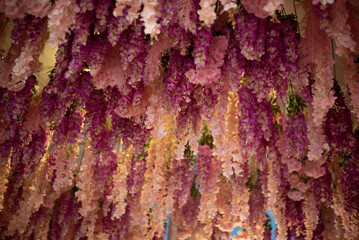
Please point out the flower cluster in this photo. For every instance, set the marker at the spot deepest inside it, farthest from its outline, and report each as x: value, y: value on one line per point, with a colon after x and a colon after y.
x: 207, y: 111
x: 61, y: 17
x: 211, y: 71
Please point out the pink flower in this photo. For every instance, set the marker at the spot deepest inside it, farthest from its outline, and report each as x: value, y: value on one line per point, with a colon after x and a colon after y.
x: 294, y: 165
x: 228, y: 4
x: 218, y: 56
x: 61, y: 18
x: 38, y: 8
x: 149, y: 17
x: 210, y: 72
x: 323, y: 2
x: 313, y: 169
x: 295, y: 195
x: 200, y: 78
x: 12, y: 9
x: 256, y: 7
x: 132, y: 13
x: 293, y: 179
x: 207, y: 13
x: 120, y: 5
x: 272, y: 6
x: 301, y: 186
x: 212, y: 69
x: 190, y: 75
x: 32, y: 117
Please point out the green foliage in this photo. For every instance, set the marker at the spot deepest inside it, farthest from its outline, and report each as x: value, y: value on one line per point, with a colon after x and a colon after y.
x: 195, y: 189
x: 165, y: 61
x: 274, y: 105
x: 165, y: 224
x: 85, y: 68
x: 268, y: 225
x: 276, y: 110
x: 251, y: 184
x: 279, y: 127
x: 51, y: 77
x: 52, y: 125
x: 189, y: 154
x: 343, y: 161
x: 295, y: 104
x: 72, y: 106
x: 108, y: 123
x: 73, y: 191
x: 34, y: 90
x: 305, y: 180
x: 243, y: 81
x: 142, y: 156
x: 206, y: 138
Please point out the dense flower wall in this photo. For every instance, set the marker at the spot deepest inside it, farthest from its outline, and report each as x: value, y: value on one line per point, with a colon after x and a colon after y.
x: 212, y: 111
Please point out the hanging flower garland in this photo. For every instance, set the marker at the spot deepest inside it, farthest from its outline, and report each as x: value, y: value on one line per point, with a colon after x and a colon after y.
x: 210, y: 111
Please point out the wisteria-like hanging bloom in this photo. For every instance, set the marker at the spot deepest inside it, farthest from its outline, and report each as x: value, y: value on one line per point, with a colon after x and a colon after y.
x: 207, y: 13
x: 206, y: 111
x: 61, y: 17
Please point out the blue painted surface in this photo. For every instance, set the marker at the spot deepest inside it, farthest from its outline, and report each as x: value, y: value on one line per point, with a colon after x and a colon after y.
x: 274, y: 225
x: 167, y: 226
x: 237, y: 228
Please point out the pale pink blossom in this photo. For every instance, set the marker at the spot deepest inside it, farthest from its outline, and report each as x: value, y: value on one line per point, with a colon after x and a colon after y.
x: 31, y: 200
x: 351, y: 79
x: 38, y: 8
x: 211, y: 72
x: 185, y: 10
x: 111, y: 72
x: 22, y: 67
x: 88, y: 194
x: 323, y: 2
x: 133, y: 11
x: 293, y: 179
x: 138, y: 109
x: 256, y: 7
x: 66, y: 166
x: 228, y: 4
x: 207, y: 12
x: 295, y: 195
x: 275, y: 195
x: 155, y: 113
x: 323, y: 95
x: 340, y: 29
x: 61, y: 18
x: 301, y: 186
x: 311, y: 213
x: 149, y: 16
x: 18, y: 8
x: 294, y: 165
x: 12, y: 9
x: 191, y: 74
x: 316, y: 139
x: 119, y: 191
x: 272, y: 6
x: 32, y: 117
x: 27, y: 62
x: 313, y: 169
x: 153, y: 68
x: 316, y: 49
x: 120, y: 6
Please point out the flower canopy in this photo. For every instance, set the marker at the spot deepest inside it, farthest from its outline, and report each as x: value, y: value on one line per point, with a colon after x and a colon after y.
x: 211, y: 111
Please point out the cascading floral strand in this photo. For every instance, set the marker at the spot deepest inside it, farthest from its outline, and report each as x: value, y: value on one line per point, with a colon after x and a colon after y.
x: 209, y: 112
